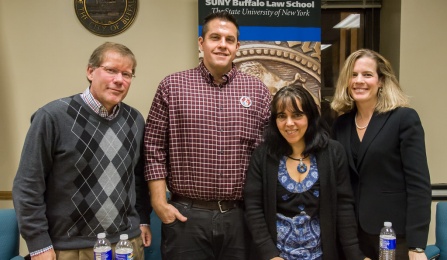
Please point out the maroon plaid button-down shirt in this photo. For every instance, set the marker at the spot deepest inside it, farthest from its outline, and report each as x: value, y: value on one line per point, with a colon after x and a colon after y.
x: 201, y: 135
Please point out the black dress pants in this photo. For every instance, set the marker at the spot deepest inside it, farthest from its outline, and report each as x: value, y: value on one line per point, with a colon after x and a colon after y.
x: 206, y: 235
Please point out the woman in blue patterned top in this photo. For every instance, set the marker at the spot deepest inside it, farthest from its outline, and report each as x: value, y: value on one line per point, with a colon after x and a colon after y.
x: 297, y: 194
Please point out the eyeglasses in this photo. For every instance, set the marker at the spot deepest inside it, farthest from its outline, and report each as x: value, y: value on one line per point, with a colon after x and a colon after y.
x: 113, y: 72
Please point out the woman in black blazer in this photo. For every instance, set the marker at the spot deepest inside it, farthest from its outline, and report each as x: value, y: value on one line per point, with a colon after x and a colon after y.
x: 298, y: 198
x: 384, y: 143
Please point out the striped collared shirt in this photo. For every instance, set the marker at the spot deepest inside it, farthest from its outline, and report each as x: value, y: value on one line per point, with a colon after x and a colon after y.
x: 200, y: 135
x: 98, y: 107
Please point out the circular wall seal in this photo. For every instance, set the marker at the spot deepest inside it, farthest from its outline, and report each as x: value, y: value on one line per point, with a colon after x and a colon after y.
x: 106, y: 17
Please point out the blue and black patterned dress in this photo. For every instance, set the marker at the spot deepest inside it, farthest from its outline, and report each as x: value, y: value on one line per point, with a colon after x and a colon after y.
x: 297, y: 222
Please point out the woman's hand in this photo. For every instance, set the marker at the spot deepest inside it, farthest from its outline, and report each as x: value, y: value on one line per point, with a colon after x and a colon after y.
x: 416, y: 256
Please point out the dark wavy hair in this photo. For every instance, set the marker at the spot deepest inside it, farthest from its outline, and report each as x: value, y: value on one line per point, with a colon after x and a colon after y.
x: 317, y: 133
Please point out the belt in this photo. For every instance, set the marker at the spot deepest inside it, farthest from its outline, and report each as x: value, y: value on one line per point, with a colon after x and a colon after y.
x: 221, y: 205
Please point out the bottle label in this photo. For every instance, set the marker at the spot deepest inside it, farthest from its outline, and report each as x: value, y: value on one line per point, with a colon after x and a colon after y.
x: 387, y: 242
x: 103, y: 255
x: 128, y: 256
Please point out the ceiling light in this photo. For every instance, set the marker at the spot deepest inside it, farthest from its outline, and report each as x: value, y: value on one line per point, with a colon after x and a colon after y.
x: 352, y: 21
x: 325, y: 46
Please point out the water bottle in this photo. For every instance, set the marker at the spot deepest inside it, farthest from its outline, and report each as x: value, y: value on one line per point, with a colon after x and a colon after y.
x: 124, y: 249
x: 102, y: 249
x: 387, y: 242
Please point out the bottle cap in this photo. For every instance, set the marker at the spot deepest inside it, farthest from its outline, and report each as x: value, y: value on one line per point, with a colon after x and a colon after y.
x: 387, y: 224
x: 101, y: 235
x: 124, y: 236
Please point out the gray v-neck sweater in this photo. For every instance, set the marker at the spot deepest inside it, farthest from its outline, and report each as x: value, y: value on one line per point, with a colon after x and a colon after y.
x: 76, y: 176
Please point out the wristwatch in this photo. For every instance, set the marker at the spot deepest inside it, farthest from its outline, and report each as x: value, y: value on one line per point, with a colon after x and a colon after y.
x: 416, y: 249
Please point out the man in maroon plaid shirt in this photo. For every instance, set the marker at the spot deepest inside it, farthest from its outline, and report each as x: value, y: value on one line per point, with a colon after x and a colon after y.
x: 201, y: 130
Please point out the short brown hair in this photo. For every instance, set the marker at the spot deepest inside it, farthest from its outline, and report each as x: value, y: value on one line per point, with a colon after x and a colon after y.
x: 223, y: 16
x: 98, y: 55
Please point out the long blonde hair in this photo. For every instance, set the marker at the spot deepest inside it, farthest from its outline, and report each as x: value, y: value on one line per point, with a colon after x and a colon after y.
x: 390, y: 94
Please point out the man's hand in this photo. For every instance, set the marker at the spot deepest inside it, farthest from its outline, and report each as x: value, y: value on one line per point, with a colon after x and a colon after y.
x: 146, y: 235
x: 416, y: 256
x: 168, y: 213
x: 165, y: 211
x: 47, y: 255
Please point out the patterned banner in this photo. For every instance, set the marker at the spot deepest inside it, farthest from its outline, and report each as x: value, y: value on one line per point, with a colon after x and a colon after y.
x: 280, y: 40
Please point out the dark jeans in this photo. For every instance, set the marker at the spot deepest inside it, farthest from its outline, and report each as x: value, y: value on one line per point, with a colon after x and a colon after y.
x: 206, y: 235
x: 369, y: 244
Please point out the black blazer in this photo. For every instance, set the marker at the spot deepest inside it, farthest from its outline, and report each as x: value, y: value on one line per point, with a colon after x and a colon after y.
x: 337, y: 219
x: 391, y: 180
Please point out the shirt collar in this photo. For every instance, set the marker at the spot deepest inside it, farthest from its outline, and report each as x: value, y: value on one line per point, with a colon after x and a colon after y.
x: 97, y: 107
x: 227, y: 77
